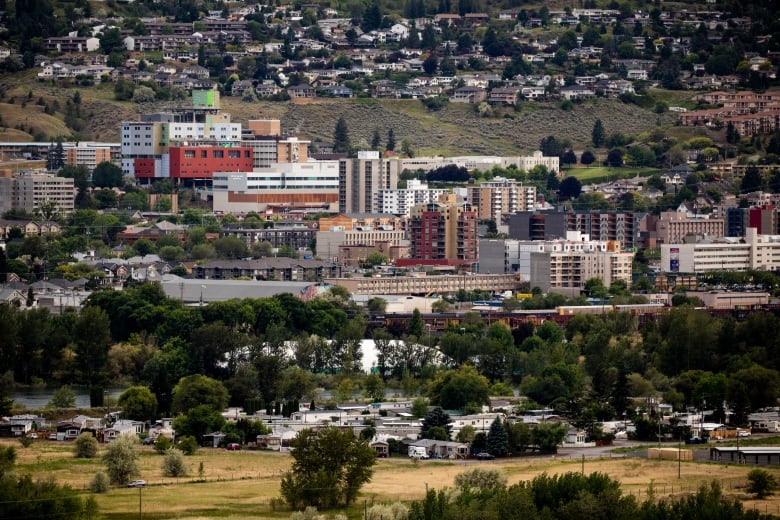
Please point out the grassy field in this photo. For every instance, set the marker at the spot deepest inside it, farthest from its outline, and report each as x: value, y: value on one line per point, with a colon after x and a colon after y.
x: 243, y: 485
x: 595, y: 174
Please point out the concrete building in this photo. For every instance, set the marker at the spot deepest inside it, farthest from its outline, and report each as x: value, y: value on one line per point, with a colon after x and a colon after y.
x: 621, y: 226
x: 346, y: 239
x: 565, y: 265
x: 499, y: 196
x: 88, y: 155
x: 674, y: 226
x: 441, y: 284
x: 313, y: 185
x: 759, y: 252
x: 483, y: 162
x: 443, y: 232
x: 28, y: 191
x: 360, y: 180
x: 184, y: 144
x: 269, y: 146
x: 400, y: 201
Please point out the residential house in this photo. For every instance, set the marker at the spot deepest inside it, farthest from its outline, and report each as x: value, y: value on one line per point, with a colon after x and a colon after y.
x: 473, y: 95
x: 122, y: 427
x: 504, y: 95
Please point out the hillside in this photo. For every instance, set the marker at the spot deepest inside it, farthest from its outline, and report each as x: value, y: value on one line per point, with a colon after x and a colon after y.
x: 455, y: 129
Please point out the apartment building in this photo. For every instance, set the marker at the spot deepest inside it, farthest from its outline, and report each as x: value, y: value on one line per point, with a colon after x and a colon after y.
x: 87, y: 155
x: 673, y: 226
x: 483, y: 162
x: 565, y: 266
x: 345, y: 239
x: 28, y: 192
x: 442, y: 284
x: 499, y: 196
x: 401, y: 201
x: 620, y: 226
x: 361, y: 178
x: 443, y: 232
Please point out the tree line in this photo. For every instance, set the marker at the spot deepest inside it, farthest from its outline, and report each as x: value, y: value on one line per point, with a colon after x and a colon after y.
x: 278, y: 349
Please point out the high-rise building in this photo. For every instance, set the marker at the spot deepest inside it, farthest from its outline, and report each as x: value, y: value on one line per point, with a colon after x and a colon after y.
x: 361, y: 178
x: 621, y: 226
x: 499, y: 196
x: 400, y: 201
x: 28, y: 192
x: 443, y: 232
x: 88, y: 155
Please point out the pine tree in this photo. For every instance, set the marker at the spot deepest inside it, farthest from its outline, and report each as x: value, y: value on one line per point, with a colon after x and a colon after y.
x: 341, y: 137
x: 598, y: 134
x: 497, y: 439
x: 390, y: 140
x: 376, y: 140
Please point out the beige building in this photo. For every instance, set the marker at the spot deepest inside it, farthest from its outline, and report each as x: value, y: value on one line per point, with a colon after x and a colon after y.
x: 565, y: 266
x: 443, y: 284
x: 28, y: 191
x: 674, y: 226
x: 360, y: 180
x: 87, y: 155
x: 759, y: 252
x: 500, y: 196
x: 346, y: 239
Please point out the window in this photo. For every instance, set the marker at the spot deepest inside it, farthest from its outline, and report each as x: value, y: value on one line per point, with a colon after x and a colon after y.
x: 204, y: 154
x: 189, y: 154
x: 218, y: 154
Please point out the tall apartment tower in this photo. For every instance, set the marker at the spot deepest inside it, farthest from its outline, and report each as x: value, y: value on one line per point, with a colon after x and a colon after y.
x: 443, y: 233
x: 29, y: 192
x: 361, y: 179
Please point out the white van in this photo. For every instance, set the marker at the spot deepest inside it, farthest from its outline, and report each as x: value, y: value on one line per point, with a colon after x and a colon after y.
x: 419, y: 452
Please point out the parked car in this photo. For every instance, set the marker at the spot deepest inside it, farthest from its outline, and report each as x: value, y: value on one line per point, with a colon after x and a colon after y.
x: 743, y: 433
x: 233, y: 446
x: 32, y: 435
x: 136, y: 483
x: 485, y: 456
x: 148, y: 441
x: 53, y: 436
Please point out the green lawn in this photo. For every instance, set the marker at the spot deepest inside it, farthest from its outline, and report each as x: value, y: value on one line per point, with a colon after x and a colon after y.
x: 604, y: 173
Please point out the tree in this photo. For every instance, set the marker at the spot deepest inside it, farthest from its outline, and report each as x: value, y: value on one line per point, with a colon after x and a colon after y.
x: 547, y: 436
x: 173, y: 463
x: 415, y: 325
x: 329, y: 468
x: 138, y: 403
x: 85, y: 446
x: 436, y: 418
x: 199, y: 390
x: 341, y: 137
x: 107, y: 175
x: 121, y: 459
x: 92, y: 336
x: 497, y: 438
x: 570, y: 188
x: 64, y: 397
x: 615, y: 157
x: 390, y: 140
x: 456, y: 389
x: 198, y: 421
x: 598, y: 134
x: 761, y: 483
x: 752, y: 180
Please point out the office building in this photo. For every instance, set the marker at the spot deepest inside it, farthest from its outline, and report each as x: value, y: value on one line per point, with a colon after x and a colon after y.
x: 401, y: 201
x: 754, y: 251
x: 620, y: 226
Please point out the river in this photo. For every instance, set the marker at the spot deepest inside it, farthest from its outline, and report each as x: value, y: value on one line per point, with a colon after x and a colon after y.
x: 38, y: 397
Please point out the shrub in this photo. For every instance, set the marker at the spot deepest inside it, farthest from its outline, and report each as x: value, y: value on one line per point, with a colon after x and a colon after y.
x: 86, y: 446
x: 25, y: 441
x: 394, y: 511
x: 481, y: 479
x: 121, y: 459
x: 188, y: 445
x: 173, y: 464
x: 761, y: 483
x: 162, y: 444
x: 99, y: 483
